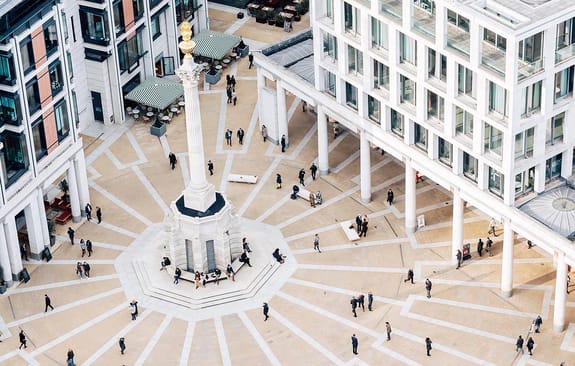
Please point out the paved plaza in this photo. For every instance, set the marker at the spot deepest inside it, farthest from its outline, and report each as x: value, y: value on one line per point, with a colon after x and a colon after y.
x: 311, y: 322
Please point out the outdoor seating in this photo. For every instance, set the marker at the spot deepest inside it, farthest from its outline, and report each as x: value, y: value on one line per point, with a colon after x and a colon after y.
x: 129, y: 110
x: 136, y: 116
x: 146, y: 119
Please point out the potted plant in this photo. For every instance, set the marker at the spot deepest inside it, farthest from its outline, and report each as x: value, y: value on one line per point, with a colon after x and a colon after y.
x: 243, y: 49
x: 261, y: 16
x: 63, y: 185
x: 213, y: 76
x: 158, y: 128
x: 304, y: 7
x: 271, y: 18
x: 279, y: 21
x: 51, y: 232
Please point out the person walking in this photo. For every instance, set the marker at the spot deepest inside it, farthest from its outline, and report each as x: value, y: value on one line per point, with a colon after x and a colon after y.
x: 266, y: 310
x: 278, y: 181
x: 428, y: 346
x: 301, y: 176
x: 88, y: 210
x: 240, y: 135
x: 229, y: 94
x: 428, y: 287
x: 264, y: 132
x: 492, y: 227
x: 177, y: 275
x: 71, y: 233
x: 480, y: 247
x: 353, y: 303
x: 233, y: 83
x: 251, y: 60
x: 228, y: 136
x: 361, y: 302
x: 122, y: 344
x: 87, y: 268
x: 70, y: 358
x: 459, y: 257
x: 390, y: 197
x: 23, y: 341
x: 409, y: 276
x: 211, y: 167
x: 529, y: 244
x: 173, y: 160
x: 519, y: 345
x: 134, y: 309
x: 313, y: 170
x: 79, y: 270
x: 99, y: 214
x: 538, y: 322
x: 530, y: 345
x: 283, y: 143
x: 354, y: 344
x: 89, y: 247
x: 388, y: 330
x: 83, y: 247
x: 488, y: 244
x: 369, y: 300
x: 316, y: 243
x: 363, y: 227
x: 47, y: 303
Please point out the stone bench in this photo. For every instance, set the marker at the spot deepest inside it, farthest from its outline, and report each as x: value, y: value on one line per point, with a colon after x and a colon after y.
x: 240, y: 178
x: 348, y: 229
x: 188, y: 276
x: 303, y: 193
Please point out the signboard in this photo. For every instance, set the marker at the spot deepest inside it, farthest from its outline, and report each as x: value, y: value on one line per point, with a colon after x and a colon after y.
x: 466, y: 251
x: 420, y: 221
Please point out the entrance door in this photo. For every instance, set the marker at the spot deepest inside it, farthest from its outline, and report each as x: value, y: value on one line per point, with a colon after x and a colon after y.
x: 189, y: 256
x: 97, y: 106
x: 211, y: 256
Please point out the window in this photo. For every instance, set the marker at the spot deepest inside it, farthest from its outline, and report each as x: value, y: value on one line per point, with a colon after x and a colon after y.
x: 75, y: 107
x: 168, y: 66
x: 463, y: 122
x: 351, y: 16
x: 185, y: 9
x: 554, y: 131
x: 380, y: 75
x: 497, y: 99
x: 469, y: 167
x: 531, y: 99
x: 436, y: 65
x: 329, y: 46
x: 39, y: 139
x: 373, y: 109
x: 493, y: 139
x: 378, y: 34
x: 407, y: 90
x: 153, y: 3
x: 458, y: 21
x: 530, y: 48
x: 494, y: 39
x: 64, y: 25
x: 56, y: 81
x: 496, y: 182
x: 10, y: 113
x: 7, y: 71
x: 155, y: 25
x: 524, y: 143
x: 33, y: 96
x: 351, y: 95
x: 70, y: 65
x: 553, y: 167
x: 329, y: 83
x: 118, y: 10
x: 50, y: 37
x: 564, y: 83
x: 130, y: 52
x: 329, y: 9
x: 427, y: 5
x: 444, y: 151
x: 565, y: 33
x: 407, y: 49
x: 62, y: 121
x: 138, y: 9
x: 420, y: 136
x: 435, y: 106
x: 396, y: 120
x: 27, y: 55
x: 15, y: 156
x: 465, y: 81
x: 524, y: 181
x: 354, y: 60
x: 94, y: 26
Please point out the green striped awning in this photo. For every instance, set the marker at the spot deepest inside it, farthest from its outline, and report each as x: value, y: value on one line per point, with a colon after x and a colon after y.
x: 214, y: 44
x: 156, y: 92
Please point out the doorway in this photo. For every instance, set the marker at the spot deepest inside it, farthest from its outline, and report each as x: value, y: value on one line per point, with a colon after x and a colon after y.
x: 210, y: 256
x: 189, y: 256
x: 97, y: 106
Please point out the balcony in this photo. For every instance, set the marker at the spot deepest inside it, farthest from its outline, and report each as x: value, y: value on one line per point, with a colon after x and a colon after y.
x: 458, y: 40
x: 564, y: 53
x: 424, y: 22
x: 493, y: 59
x: 528, y: 69
x: 391, y: 8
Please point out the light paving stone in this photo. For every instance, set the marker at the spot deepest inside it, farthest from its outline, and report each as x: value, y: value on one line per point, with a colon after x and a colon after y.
x: 205, y: 348
x: 124, y: 151
x: 168, y: 350
x: 116, y: 214
x: 239, y: 339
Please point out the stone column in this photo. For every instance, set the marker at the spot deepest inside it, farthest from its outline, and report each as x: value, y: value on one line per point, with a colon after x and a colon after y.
x: 560, y: 294
x: 365, y: 168
x: 410, y: 199
x: 507, y: 259
x: 82, y: 178
x: 282, y: 112
x: 5, y: 257
x: 43, y: 219
x: 457, y: 230
x: 73, y: 192
x: 13, y: 246
x: 322, y: 144
x: 33, y: 226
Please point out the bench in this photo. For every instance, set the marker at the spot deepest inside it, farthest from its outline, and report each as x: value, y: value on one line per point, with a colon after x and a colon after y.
x: 240, y: 178
x: 349, y: 230
x: 303, y: 193
x: 63, y: 218
x: 188, y: 276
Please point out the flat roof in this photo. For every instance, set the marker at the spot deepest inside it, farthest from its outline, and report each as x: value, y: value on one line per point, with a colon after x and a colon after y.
x: 295, y: 54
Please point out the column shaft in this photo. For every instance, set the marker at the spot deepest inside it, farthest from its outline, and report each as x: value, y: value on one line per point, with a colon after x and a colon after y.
x: 410, y: 199
x: 73, y: 192
x: 82, y: 178
x: 560, y: 294
x: 43, y: 219
x: 322, y: 144
x: 282, y: 113
x: 5, y: 257
x: 13, y: 246
x: 457, y: 230
x: 34, y: 228
x: 507, y: 259
x: 365, y: 168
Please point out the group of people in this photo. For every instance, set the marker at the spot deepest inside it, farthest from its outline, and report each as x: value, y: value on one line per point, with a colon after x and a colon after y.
x: 86, y: 247
x: 361, y: 224
x: 240, y: 133
x: 231, y: 89
x: 88, y: 211
x: 82, y: 269
x: 359, y: 302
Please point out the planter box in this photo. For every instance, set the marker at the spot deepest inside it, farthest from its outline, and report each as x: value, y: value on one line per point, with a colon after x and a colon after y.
x: 213, y: 78
x: 261, y: 20
x: 158, y: 129
x: 243, y: 52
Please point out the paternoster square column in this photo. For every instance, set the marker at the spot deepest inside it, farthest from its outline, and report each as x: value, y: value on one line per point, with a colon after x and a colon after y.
x: 199, y: 195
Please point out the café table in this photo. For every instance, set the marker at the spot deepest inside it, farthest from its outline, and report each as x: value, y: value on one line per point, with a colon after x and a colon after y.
x: 174, y: 110
x: 182, y: 103
x: 165, y: 118
x: 135, y: 111
x: 150, y: 114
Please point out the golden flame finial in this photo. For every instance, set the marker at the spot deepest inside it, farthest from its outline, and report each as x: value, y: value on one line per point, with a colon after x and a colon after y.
x: 186, y: 45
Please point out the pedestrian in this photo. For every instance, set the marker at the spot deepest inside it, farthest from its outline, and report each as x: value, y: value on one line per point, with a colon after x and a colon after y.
x: 278, y: 256
x: 313, y: 170
x: 283, y: 143
x: 71, y: 235
x: 48, y: 303
x: 529, y: 244
x: 301, y: 176
x: 89, y: 247
x: 83, y: 247
x: 229, y: 94
x: 519, y: 344
x: 177, y: 275
x: 23, y: 251
x: 251, y: 60
x: 358, y: 222
x: 428, y: 288
x: 428, y: 345
x: 388, y: 330
x: 228, y: 135
x: 70, y: 358
x: 22, y: 339
x: 88, y: 210
x: 353, y: 303
x: 133, y: 310
x: 211, y: 167
x: 79, y: 270
x: 312, y: 199
x: 122, y: 345
x: 538, y: 322
x: 233, y: 83
x: 264, y: 132
x: 99, y: 214
x: 363, y: 227
x: 316, y: 243
x: 86, y: 267
x: 240, y: 135
x: 459, y: 257
x: 480, y: 247
x: 228, y: 80
x: 266, y: 310
x: 361, y: 302
x: 230, y: 272
x: 173, y: 160
x: 390, y: 197
x: 303, y: 106
x: 246, y: 245
x: 530, y: 345
x: 369, y: 301
x: 488, y: 244
x: 235, y: 100
x: 492, y: 227
x: 354, y: 344
x: 245, y: 259
x: 409, y: 276
x: 218, y: 274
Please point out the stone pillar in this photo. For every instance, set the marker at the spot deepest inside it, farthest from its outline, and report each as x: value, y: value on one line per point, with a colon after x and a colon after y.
x: 560, y: 294
x: 5, y: 257
x: 13, y: 246
x: 73, y: 191
x: 322, y: 144
x: 82, y: 179
x: 365, y: 167
x: 43, y: 219
x: 282, y: 112
x: 34, y: 228
x: 507, y: 259
x: 457, y: 226
x: 410, y: 199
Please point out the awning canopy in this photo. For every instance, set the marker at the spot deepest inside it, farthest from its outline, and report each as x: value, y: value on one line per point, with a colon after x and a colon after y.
x: 156, y: 92
x: 214, y: 44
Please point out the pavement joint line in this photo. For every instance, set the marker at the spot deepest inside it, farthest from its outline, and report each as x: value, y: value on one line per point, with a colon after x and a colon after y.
x: 378, y: 345
x: 154, y: 340
x: 118, y: 229
x: 568, y: 338
x: 267, y: 351
x: 151, y: 190
x: 121, y: 204
x: 326, y: 267
x: 258, y: 187
x: 356, y: 361
x: 367, y: 244
x: 62, y: 308
x: 9, y: 355
x: 136, y: 146
x: 226, y: 172
x: 335, y: 142
x: 530, y: 361
x: 74, y: 261
x: 79, y: 329
x: 187, y: 347
x: 303, y: 143
x: 221, y: 335
x: 443, y: 225
x: 221, y: 131
x: 114, y: 339
x: 52, y: 285
x: 488, y: 284
x: 307, y: 338
x: 345, y: 163
x: 374, y: 168
x: 184, y: 167
x: 93, y: 172
x: 108, y: 140
x: 28, y: 358
x: 117, y: 163
x: 165, y: 145
x: 66, y: 240
x: 251, y: 128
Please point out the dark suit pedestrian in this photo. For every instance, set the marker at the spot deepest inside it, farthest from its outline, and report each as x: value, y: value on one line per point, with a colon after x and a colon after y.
x: 251, y: 60
x: 122, y: 345
x: 240, y: 135
x: 388, y: 330
x: 358, y: 222
x: 229, y: 94
x: 354, y: 344
x: 519, y: 344
x: 48, y: 303
x: 459, y: 257
x: 99, y: 214
x: 409, y: 276
x: 313, y: 170
x: 89, y: 247
x: 428, y: 287
x: 428, y: 345
x: 538, y: 322
x: 266, y: 310
x: 369, y: 300
x: 480, y: 247
x: 173, y: 160
x: 22, y: 337
x: 71, y: 235
x: 390, y: 197
x: 530, y: 345
x: 353, y: 303
x: 301, y: 176
x: 361, y: 302
x: 278, y: 181
x: 211, y: 167
x: 283, y: 143
x: 363, y: 231
x: 88, y: 210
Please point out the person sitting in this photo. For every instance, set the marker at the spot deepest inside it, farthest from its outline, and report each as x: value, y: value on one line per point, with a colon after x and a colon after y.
x: 218, y: 273
x: 278, y: 255
x: 295, y: 189
x: 318, y: 198
x: 230, y: 272
x: 245, y: 259
x: 165, y: 262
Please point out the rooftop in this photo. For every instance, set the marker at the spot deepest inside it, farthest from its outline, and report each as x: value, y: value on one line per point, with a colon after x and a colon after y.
x: 554, y: 208
x: 295, y: 54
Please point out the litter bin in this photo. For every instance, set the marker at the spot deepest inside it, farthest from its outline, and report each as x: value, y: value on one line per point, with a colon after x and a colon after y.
x: 46, y: 255
x: 24, y: 276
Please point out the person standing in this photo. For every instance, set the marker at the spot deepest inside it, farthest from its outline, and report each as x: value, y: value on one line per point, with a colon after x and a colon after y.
x: 240, y: 135
x: 211, y: 167
x: 264, y: 132
x: 48, y: 303
x: 283, y: 143
x: 89, y: 247
x: 538, y: 322
x: 173, y: 160
x: 230, y: 272
x: 313, y: 170
x: 409, y: 276
x: 266, y: 310
x: 480, y: 247
x: 88, y: 210
x: 22, y: 337
x: 251, y: 60
x: 459, y: 257
x: 519, y: 345
x: 530, y: 345
x: 312, y: 199
x: 492, y: 227
x: 70, y: 358
x: 428, y: 345
x: 361, y: 302
x: 488, y: 244
x: 23, y: 252
x: 316, y: 243
x: 233, y: 83
x: 133, y: 310
x: 229, y: 94
x: 428, y: 287
x: 354, y: 344
x: 122, y: 345
x: 388, y: 330
x: 83, y: 247
x: 353, y: 303
x: 278, y: 181
x: 228, y: 135
x: 369, y: 300
x: 99, y: 214
x: 301, y: 176
x: 79, y: 270
x: 363, y: 227
x: 358, y: 222
x: 87, y: 268
x: 177, y: 275
x: 71, y: 233
x: 390, y: 197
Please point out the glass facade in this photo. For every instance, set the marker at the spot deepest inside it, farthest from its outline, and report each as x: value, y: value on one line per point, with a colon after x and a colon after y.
x: 15, y: 155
